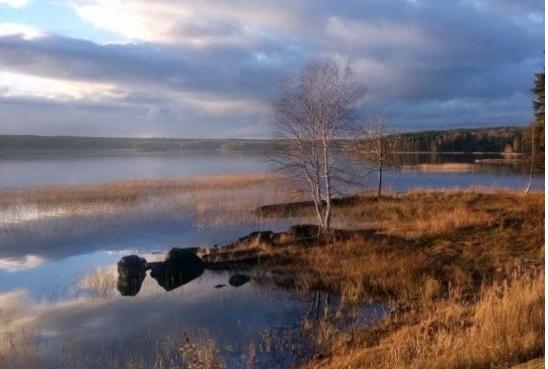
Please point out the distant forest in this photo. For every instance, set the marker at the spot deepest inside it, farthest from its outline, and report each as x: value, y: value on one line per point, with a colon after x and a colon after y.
x: 10, y: 142
x: 503, y: 139
x: 500, y: 139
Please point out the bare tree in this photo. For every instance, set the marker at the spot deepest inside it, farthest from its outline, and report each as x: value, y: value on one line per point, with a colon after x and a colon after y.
x: 378, y: 144
x: 312, y: 114
x: 531, y: 160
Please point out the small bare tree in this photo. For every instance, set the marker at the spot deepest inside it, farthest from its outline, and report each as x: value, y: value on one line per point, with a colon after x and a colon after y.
x: 531, y: 160
x: 378, y: 144
x: 311, y: 115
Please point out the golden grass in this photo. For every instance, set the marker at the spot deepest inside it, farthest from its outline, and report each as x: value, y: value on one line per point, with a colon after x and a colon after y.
x: 413, y: 246
x: 211, y: 200
x: 462, y: 270
x: 531, y: 364
x: 505, y: 326
x: 125, y: 191
x: 442, y: 168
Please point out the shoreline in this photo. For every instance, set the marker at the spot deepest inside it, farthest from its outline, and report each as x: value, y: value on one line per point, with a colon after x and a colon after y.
x: 422, y: 258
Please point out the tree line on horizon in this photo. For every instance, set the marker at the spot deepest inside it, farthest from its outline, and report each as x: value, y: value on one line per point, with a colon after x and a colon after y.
x: 497, y: 139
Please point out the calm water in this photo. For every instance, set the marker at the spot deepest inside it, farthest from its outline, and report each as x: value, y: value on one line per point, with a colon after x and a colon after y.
x: 42, y: 262
x: 21, y: 170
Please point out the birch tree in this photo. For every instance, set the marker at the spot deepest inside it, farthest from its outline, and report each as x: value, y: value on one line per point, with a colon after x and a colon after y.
x: 312, y: 114
x: 379, y: 145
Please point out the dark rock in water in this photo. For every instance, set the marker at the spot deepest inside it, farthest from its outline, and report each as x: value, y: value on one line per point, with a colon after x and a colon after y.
x: 179, y: 267
x: 131, y: 274
x: 220, y: 285
x: 238, y: 280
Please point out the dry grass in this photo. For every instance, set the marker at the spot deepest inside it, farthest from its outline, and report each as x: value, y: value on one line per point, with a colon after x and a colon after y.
x: 442, y: 168
x: 98, y: 284
x: 125, y: 191
x: 504, y: 327
x: 462, y: 270
x: 45, y: 214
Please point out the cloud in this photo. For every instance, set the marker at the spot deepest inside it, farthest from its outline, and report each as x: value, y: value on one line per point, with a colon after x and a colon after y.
x: 220, y: 63
x: 14, y: 3
x: 23, y: 263
x: 22, y: 30
x: 200, y: 23
x: 16, y: 84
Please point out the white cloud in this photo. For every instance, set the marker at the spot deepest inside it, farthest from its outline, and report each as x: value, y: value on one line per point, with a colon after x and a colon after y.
x: 23, y: 263
x: 22, y: 30
x: 198, y: 23
x: 14, y: 3
x: 131, y: 22
x: 24, y: 85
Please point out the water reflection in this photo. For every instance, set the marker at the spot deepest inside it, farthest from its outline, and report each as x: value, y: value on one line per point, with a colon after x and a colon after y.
x: 99, y: 332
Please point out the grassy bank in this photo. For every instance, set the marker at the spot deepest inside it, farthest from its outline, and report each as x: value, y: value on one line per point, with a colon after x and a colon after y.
x: 463, y: 272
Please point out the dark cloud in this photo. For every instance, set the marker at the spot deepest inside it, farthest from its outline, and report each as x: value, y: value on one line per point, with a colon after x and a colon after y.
x: 434, y: 63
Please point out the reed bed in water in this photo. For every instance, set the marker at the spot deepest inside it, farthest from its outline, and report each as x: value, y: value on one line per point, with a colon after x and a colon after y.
x: 125, y: 192
x: 210, y: 199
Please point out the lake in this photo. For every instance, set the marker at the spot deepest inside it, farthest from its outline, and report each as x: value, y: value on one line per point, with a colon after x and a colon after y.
x: 28, y: 169
x: 58, y: 299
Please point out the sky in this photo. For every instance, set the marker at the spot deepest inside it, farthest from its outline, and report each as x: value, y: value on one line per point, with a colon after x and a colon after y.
x: 211, y: 68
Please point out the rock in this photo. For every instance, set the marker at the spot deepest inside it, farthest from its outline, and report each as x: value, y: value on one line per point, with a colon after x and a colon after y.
x: 179, y: 267
x: 238, y: 280
x: 131, y: 274
x: 304, y: 231
x: 220, y: 285
x: 254, y: 239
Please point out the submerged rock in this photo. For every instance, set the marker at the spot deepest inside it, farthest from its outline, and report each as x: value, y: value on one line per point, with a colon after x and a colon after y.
x: 179, y: 267
x: 238, y: 280
x: 131, y: 274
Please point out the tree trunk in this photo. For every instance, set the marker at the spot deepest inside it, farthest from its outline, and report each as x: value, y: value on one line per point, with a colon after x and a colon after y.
x: 327, y: 179
x: 381, y: 153
x: 531, y: 159
x: 379, y: 190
